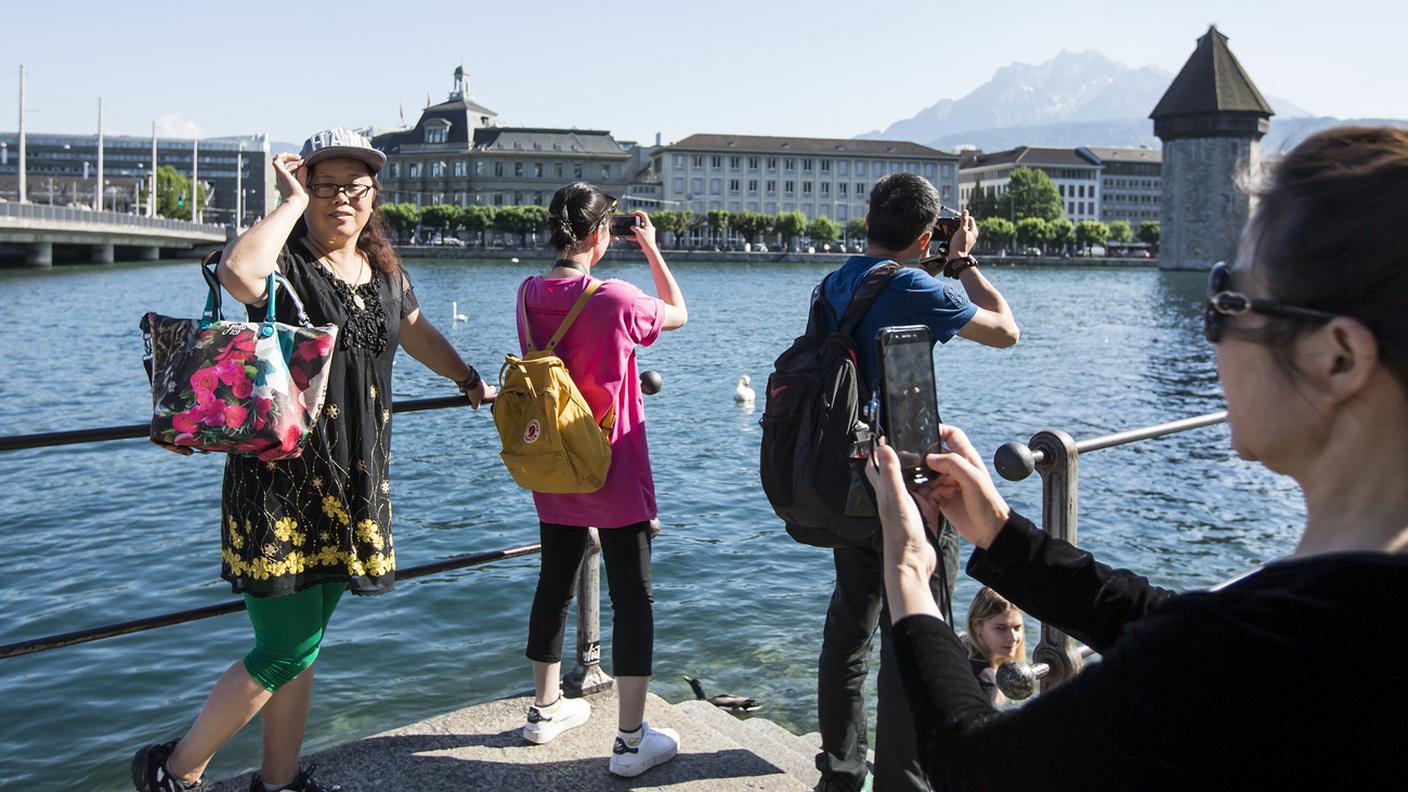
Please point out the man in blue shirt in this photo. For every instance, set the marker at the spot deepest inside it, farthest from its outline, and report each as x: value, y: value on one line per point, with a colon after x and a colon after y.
x: 899, y: 227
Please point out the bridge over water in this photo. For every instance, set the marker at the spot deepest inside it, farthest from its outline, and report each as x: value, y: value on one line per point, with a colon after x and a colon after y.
x: 30, y: 234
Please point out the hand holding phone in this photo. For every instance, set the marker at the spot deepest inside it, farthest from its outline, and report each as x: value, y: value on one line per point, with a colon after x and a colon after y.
x: 624, y: 225
x: 909, y: 406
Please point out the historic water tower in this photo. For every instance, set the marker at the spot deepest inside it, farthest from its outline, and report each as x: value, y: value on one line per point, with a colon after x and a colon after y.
x: 1211, y: 120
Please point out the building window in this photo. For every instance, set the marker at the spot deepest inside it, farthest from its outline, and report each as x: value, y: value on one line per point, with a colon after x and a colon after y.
x: 479, y: 167
x: 752, y: 163
x: 752, y: 186
x: 415, y: 170
x: 789, y: 164
x: 698, y: 160
x: 696, y: 186
x: 557, y: 169
x: 842, y: 166
x: 825, y: 188
x: 733, y: 186
x: 716, y: 162
x: 437, y: 170
x: 946, y: 170
x: 860, y: 188
x: 537, y: 170
x: 772, y: 163
x: 437, y: 198
x: 459, y: 167
x: 576, y: 170
x: 806, y: 188
x: 498, y: 169
x: 679, y: 184
x: 928, y: 170
x: 679, y: 161
x: 826, y: 166
x: 517, y: 170
x: 435, y: 134
x: 733, y: 162
x: 841, y: 188
x: 788, y: 187
x: 714, y: 186
x: 860, y: 167
x: 772, y: 187
x: 395, y: 170
x: 806, y: 164
x: 605, y: 172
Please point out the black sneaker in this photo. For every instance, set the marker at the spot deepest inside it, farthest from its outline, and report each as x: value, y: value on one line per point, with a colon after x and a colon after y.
x: 149, y: 771
x: 303, y: 783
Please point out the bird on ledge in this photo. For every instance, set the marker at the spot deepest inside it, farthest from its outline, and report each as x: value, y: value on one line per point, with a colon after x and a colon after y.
x: 726, y: 701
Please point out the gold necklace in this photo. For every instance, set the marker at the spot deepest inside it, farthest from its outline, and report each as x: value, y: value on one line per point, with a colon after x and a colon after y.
x: 351, y: 286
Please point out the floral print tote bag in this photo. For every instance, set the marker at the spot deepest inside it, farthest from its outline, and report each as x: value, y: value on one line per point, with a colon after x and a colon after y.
x: 239, y: 387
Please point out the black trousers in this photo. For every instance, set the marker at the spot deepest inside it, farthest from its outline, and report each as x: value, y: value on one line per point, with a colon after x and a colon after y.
x: 627, y: 554
x: 857, y: 607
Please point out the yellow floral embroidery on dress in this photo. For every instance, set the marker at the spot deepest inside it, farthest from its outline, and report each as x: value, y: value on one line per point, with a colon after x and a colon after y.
x: 385, y: 415
x: 385, y: 486
x: 367, y: 532
x: 331, y: 410
x: 378, y: 566
x: 318, y: 483
x: 271, y: 550
x: 299, y: 538
x: 284, y: 527
x: 372, y: 390
x: 332, y: 507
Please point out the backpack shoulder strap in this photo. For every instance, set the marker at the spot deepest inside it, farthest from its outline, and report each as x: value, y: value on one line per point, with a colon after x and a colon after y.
x: 572, y: 314
x: 523, y: 314
x: 865, y: 296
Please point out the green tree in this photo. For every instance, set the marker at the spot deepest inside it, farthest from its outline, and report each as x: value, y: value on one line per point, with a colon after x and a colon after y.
x: 402, y: 217
x: 855, y: 229
x: 982, y: 202
x: 1061, y: 232
x: 664, y: 220
x: 1121, y: 232
x: 997, y: 232
x: 1032, y: 231
x: 506, y: 219
x: 823, y: 230
x: 1091, y: 232
x: 440, y: 217
x: 173, y: 194
x: 750, y: 225
x: 1030, y: 193
x: 1149, y: 233
x: 522, y: 220
x: 717, y: 221
x: 477, y: 217
x: 790, y: 225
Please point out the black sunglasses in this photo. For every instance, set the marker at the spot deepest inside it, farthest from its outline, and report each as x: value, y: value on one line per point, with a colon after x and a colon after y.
x: 1223, y: 303
x: 610, y: 207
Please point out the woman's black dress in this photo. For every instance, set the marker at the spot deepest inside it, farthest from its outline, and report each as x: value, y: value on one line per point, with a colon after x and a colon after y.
x: 326, y: 515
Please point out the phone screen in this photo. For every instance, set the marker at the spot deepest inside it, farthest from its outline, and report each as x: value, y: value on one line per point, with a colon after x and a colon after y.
x: 910, y: 408
x: 621, y: 225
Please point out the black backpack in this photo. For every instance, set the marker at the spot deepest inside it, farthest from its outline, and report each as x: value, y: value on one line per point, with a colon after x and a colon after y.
x: 815, y: 395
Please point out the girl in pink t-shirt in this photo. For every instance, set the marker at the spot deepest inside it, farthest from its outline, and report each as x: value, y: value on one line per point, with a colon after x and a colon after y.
x: 599, y: 351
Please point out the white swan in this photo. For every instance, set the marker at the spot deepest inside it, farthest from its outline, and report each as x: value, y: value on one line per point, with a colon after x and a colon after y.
x: 742, y: 393
x: 455, y: 312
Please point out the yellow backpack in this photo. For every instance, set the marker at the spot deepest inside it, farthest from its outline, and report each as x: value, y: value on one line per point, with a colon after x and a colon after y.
x: 552, y: 443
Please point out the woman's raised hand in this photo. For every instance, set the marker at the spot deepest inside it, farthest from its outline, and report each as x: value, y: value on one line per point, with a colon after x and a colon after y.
x: 963, y: 490
x: 906, y: 546
x: 645, y: 232
x: 290, y: 178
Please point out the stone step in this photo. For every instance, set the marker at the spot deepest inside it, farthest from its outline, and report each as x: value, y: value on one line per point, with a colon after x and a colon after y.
x: 770, y: 729
x: 481, y: 747
x: 780, y: 750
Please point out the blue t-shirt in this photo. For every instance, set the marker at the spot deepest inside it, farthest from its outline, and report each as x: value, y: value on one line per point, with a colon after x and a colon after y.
x: 912, y: 298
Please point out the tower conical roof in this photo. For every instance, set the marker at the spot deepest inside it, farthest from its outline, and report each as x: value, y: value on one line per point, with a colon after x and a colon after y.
x: 1212, y: 81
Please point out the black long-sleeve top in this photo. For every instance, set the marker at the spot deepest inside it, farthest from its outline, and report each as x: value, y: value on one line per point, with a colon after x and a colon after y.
x: 1293, y: 677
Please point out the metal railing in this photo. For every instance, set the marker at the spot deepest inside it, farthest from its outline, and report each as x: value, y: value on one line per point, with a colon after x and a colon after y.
x: 586, y: 677
x: 1054, y: 455
x: 66, y: 214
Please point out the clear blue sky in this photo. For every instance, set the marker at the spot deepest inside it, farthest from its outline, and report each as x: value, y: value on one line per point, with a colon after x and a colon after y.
x: 826, y: 69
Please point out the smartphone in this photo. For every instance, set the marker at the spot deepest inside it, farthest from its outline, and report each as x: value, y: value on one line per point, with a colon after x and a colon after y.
x: 947, y: 224
x: 909, y: 403
x: 622, y: 225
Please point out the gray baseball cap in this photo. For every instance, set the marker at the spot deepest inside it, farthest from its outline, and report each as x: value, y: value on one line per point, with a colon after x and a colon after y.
x: 341, y: 142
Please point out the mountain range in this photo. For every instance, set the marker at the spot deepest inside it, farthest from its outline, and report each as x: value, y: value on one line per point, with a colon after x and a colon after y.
x: 1074, y: 99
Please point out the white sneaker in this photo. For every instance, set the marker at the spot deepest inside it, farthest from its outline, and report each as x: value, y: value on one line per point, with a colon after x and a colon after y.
x: 545, y: 723
x: 634, y: 755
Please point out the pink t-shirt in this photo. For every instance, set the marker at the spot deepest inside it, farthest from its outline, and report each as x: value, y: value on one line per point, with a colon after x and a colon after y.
x: 600, y: 352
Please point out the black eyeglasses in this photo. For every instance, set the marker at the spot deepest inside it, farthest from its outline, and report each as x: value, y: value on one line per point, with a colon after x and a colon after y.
x: 352, y: 191
x: 1223, y: 303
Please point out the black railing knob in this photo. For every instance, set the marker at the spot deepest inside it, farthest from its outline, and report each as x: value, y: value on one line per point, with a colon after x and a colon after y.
x: 651, y: 382
x: 1014, y: 461
x: 1017, y: 679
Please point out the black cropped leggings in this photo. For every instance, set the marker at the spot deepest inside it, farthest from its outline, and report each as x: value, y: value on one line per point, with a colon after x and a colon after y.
x: 627, y: 554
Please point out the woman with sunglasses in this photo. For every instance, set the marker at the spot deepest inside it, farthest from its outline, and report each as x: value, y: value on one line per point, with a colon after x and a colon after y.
x: 1288, y: 677
x: 599, y: 350
x: 297, y: 533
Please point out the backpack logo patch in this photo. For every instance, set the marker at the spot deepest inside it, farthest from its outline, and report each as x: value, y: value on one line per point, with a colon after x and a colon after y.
x: 532, y: 432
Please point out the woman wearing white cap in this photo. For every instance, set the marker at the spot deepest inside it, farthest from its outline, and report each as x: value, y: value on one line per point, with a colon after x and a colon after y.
x: 297, y: 533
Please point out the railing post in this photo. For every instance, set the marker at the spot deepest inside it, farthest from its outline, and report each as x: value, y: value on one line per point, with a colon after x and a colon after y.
x: 1059, y: 468
x: 588, y: 677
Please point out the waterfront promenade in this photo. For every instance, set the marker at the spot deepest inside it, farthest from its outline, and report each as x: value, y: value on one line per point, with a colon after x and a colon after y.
x: 481, y: 747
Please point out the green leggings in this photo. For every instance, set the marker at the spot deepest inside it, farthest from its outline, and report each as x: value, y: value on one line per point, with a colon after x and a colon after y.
x: 287, y: 632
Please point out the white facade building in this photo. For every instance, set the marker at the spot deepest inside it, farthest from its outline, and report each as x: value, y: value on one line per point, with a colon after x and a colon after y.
x: 1076, y: 173
x: 818, y: 177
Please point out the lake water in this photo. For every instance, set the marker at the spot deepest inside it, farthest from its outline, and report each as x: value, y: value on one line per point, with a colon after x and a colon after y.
x: 113, y: 531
